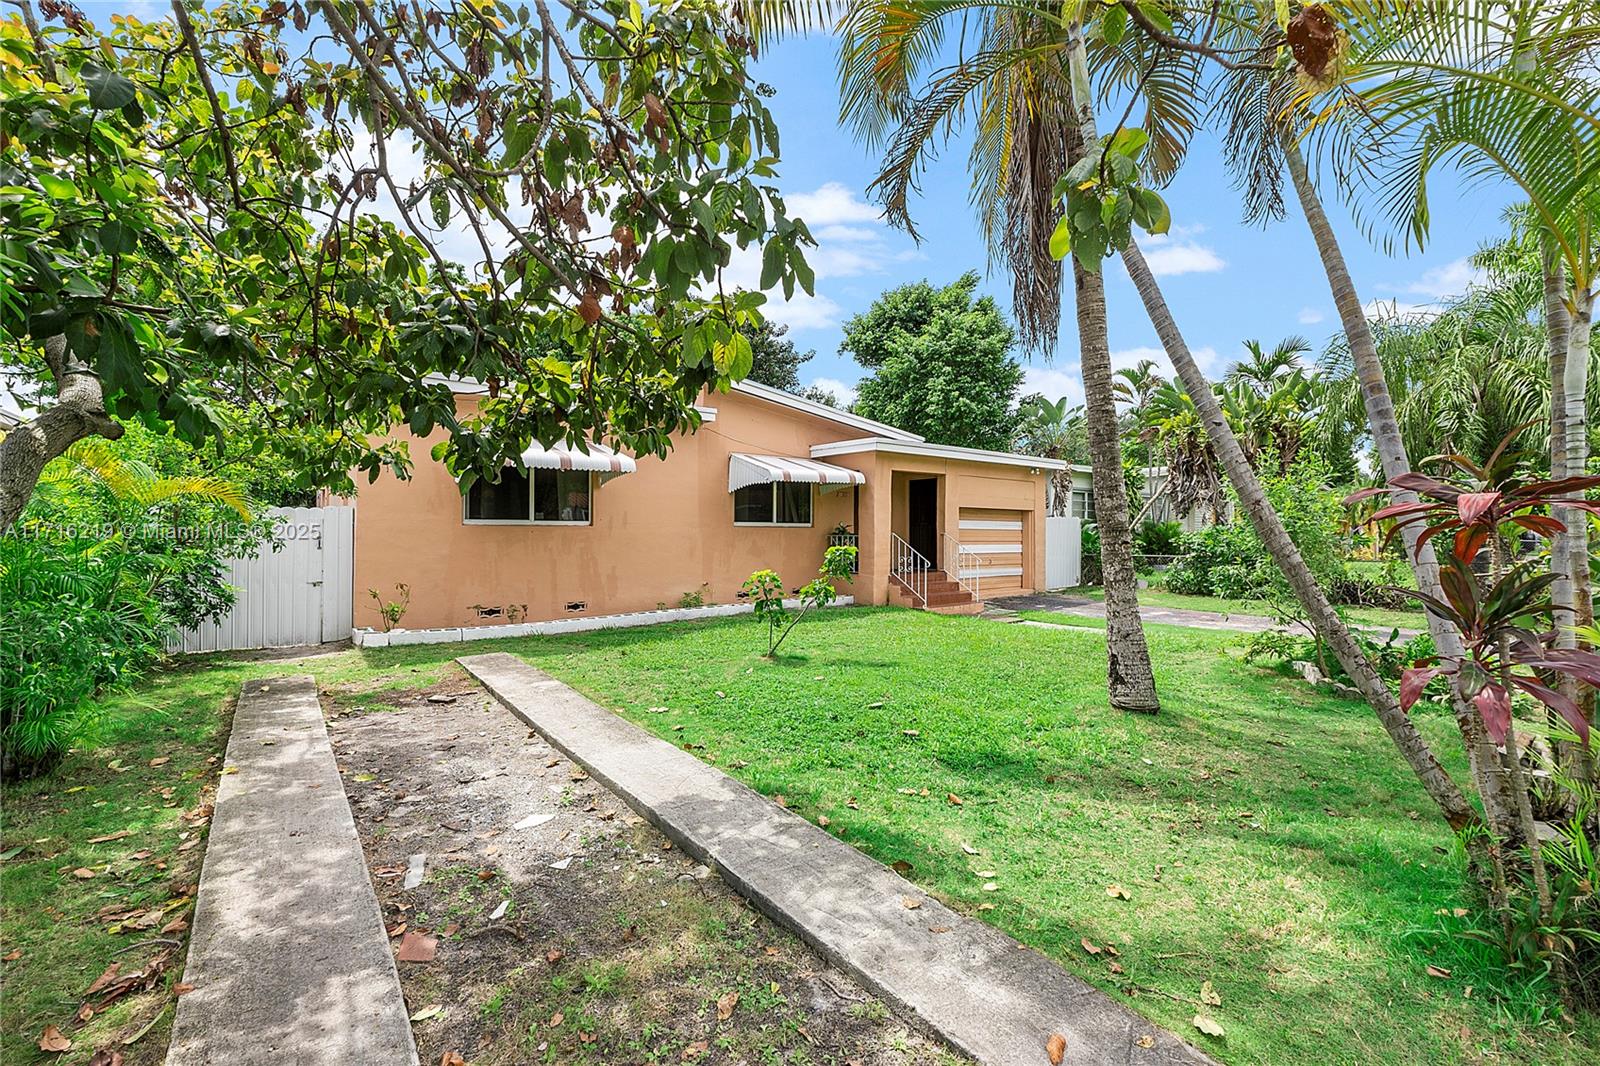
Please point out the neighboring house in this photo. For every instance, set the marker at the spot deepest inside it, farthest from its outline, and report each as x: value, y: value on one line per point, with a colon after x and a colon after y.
x: 1153, y: 504
x: 768, y: 481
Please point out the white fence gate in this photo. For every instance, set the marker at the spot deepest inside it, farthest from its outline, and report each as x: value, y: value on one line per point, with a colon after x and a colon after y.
x: 1063, y: 550
x: 302, y: 593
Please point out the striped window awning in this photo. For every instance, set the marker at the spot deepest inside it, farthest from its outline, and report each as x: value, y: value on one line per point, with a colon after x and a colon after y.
x: 746, y: 470
x: 564, y: 456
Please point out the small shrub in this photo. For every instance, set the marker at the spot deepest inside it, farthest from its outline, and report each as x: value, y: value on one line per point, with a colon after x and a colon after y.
x: 765, y: 590
x: 1158, y: 538
x: 390, y: 613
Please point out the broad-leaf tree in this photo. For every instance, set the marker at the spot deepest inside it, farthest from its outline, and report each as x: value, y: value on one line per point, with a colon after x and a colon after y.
x: 940, y: 364
x: 320, y: 212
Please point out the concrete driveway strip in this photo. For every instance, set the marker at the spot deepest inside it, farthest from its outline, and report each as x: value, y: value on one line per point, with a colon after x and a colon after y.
x: 982, y: 992
x: 289, y: 960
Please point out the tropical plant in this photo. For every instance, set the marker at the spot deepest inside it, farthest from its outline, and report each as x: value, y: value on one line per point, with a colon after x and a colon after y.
x: 390, y: 612
x: 764, y: 588
x: 528, y: 131
x: 1052, y: 430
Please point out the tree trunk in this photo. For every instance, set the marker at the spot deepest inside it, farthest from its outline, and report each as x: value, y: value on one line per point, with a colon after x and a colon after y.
x: 1488, y: 772
x: 1130, y: 679
x: 79, y: 412
x: 1435, y: 780
x: 1571, y: 549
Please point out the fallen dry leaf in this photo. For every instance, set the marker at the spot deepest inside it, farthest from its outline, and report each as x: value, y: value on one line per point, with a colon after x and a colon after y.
x: 118, y: 835
x: 1056, y: 1048
x: 901, y: 867
x: 106, y: 1057
x: 430, y: 1011
x: 452, y: 1058
x: 53, y: 1041
x: 1208, y: 1026
x: 699, y: 1047
x: 415, y: 947
x: 955, y: 800
x: 1118, y: 892
x: 1437, y: 971
x: 1089, y: 946
x: 725, y: 1006
x: 1146, y: 1041
x: 161, y: 760
x: 1209, y: 995
x: 182, y: 988
x: 556, y: 1019
x: 969, y: 849
x: 554, y: 955
x: 83, y: 873
x: 104, y: 979
x: 11, y: 956
x: 910, y: 903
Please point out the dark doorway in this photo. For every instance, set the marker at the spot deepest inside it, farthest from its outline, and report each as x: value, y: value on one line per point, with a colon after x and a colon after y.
x: 922, y: 517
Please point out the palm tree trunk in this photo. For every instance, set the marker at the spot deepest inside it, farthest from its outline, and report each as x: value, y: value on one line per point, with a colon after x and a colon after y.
x: 1435, y: 780
x: 1130, y: 680
x: 1572, y: 547
x: 1488, y: 773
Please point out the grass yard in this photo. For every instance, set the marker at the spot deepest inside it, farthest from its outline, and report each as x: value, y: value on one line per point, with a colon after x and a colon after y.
x: 1267, y: 838
x: 1367, y: 616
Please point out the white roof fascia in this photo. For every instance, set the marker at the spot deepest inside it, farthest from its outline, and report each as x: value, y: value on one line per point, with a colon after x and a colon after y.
x: 934, y: 451
x: 821, y: 410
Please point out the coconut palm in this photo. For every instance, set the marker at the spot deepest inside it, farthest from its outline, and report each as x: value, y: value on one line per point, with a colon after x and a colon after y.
x: 1264, y: 371
x: 904, y: 93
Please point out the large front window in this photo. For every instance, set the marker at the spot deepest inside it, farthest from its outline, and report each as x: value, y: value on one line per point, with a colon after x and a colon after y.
x: 776, y: 503
x: 556, y: 496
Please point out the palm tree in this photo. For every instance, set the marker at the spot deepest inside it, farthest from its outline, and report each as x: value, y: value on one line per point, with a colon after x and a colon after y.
x: 1054, y: 431
x: 1264, y: 371
x: 1014, y: 86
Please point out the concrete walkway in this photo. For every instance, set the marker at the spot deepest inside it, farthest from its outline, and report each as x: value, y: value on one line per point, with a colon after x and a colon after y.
x: 289, y: 960
x: 1080, y: 607
x: 962, y: 980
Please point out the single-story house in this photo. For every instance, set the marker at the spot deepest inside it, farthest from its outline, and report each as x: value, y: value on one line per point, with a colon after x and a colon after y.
x: 769, y: 480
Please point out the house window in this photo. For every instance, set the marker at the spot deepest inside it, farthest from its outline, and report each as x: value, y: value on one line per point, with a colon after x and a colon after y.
x: 561, y: 496
x: 1083, y: 504
x: 554, y: 496
x: 503, y: 501
x: 777, y: 503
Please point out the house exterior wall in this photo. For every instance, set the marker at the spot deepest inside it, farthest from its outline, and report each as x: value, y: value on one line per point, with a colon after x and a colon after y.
x: 657, y: 534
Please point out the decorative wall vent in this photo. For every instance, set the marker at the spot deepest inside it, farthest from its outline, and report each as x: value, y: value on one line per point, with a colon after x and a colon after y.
x: 577, y: 605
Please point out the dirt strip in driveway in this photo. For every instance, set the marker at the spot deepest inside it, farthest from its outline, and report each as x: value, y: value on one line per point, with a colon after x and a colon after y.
x: 552, y: 924
x: 972, y: 985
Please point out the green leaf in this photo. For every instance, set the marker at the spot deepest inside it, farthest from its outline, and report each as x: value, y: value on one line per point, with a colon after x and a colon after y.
x: 1113, y: 24
x: 118, y: 238
x: 1156, y: 208
x: 57, y: 187
x: 1130, y: 140
x: 1061, y: 240
x: 1158, y: 16
x: 803, y: 271
x: 771, y: 263
x: 108, y: 90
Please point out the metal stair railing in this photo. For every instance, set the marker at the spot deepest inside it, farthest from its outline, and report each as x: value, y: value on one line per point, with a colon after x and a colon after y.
x: 955, y: 557
x: 909, y: 567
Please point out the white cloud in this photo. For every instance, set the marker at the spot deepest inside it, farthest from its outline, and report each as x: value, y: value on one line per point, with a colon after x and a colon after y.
x: 1178, y: 252
x: 1207, y: 358
x: 845, y: 233
x: 834, y: 203
x: 1054, y: 382
x: 1452, y: 279
x: 803, y: 312
x: 845, y: 394
x: 1309, y: 316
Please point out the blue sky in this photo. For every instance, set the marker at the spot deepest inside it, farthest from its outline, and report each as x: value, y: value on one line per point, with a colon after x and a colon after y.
x: 1225, y: 281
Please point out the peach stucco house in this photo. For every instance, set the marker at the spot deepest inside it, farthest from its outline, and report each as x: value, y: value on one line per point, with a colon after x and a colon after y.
x: 768, y: 481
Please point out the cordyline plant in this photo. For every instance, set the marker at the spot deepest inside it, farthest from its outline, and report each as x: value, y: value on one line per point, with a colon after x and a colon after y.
x: 1494, y: 621
x: 1506, y: 623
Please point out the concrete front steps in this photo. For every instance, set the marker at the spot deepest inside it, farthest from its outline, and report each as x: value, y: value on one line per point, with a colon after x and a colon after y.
x: 945, y: 595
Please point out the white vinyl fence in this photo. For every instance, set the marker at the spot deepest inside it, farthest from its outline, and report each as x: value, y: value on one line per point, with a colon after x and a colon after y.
x: 1063, y: 549
x: 302, y: 593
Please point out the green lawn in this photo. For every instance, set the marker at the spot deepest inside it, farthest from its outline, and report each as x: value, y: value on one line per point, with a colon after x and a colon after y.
x: 1367, y: 616
x: 1270, y: 840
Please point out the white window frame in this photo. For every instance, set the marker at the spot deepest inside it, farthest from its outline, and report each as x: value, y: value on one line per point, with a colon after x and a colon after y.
x: 531, y: 521
x: 811, y: 498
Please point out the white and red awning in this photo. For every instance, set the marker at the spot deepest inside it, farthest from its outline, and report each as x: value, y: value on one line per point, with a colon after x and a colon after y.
x: 746, y: 470
x: 564, y: 456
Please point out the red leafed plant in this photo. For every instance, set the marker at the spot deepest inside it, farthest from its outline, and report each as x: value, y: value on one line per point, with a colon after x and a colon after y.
x: 1506, y: 625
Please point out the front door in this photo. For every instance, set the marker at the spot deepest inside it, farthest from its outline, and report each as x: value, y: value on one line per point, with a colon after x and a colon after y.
x: 922, y: 514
